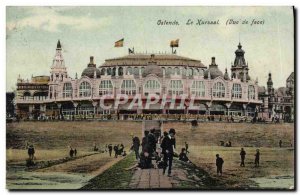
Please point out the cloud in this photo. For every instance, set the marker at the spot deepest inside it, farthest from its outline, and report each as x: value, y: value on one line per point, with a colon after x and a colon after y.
x: 49, y: 19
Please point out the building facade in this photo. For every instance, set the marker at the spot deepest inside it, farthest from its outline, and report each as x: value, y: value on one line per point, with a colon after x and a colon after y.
x: 278, y: 103
x: 167, y: 76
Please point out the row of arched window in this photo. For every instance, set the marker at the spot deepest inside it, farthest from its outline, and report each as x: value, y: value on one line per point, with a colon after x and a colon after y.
x: 136, y: 71
x: 128, y: 87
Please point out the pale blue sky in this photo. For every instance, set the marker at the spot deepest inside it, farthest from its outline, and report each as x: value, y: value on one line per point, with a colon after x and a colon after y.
x: 32, y: 34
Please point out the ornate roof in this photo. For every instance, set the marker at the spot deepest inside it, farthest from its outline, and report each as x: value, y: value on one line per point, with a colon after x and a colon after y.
x: 91, y: 69
x: 239, y: 56
x: 158, y: 59
x: 213, y: 70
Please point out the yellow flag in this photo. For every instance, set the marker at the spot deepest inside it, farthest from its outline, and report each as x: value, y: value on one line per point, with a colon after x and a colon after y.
x: 174, y: 43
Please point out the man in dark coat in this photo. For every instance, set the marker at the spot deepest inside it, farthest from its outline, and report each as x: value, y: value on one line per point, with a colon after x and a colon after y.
x: 243, y: 154
x: 110, y: 149
x: 280, y: 143
x: 219, y: 164
x: 31, y: 152
x: 256, y: 161
x: 168, y: 145
x: 116, y: 148
x: 151, y: 141
x: 71, y: 153
x: 136, y: 146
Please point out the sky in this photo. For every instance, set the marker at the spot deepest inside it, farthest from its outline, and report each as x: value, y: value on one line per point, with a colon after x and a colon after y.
x: 32, y: 34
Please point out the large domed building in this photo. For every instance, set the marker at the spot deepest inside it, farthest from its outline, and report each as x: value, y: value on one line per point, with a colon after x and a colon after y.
x: 140, y: 76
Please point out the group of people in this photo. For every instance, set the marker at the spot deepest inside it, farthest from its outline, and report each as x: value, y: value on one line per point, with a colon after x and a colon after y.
x: 220, y: 161
x: 73, y: 152
x: 117, y: 148
x: 161, y: 149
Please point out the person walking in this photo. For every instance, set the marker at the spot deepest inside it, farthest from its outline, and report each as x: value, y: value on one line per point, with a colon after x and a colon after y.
x: 280, y: 143
x: 136, y: 146
x: 168, y: 146
x: 110, y: 148
x: 116, y: 148
x: 31, y: 152
x: 257, y: 156
x: 75, y: 152
x: 186, y: 147
x: 71, y: 153
x: 219, y: 164
x: 242, y: 154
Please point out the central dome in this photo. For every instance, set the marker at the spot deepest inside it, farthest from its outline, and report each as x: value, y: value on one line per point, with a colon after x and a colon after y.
x: 213, y: 70
x: 91, y: 70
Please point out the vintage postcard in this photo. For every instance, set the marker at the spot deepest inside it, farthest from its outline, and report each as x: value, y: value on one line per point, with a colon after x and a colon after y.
x: 141, y: 98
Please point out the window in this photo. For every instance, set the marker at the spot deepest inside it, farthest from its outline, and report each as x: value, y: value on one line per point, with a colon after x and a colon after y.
x: 152, y: 87
x: 251, y: 92
x: 27, y: 96
x: 136, y: 71
x: 176, y: 87
x: 190, y: 72
x: 169, y: 71
x: 40, y: 96
x: 129, y: 71
x: 177, y: 71
x: 128, y: 87
x: 236, y: 91
x: 198, y: 88
x: 108, y: 71
x: 218, y: 90
x: 85, y: 89
x: 67, y: 90
x: 103, y: 71
x: 120, y: 71
x: 105, y: 88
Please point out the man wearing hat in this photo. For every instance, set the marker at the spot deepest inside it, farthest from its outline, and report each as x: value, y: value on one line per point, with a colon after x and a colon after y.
x: 168, y: 147
x: 219, y: 164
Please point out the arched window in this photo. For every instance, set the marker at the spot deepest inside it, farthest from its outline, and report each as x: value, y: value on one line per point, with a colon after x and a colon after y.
x: 85, y: 89
x: 218, y: 90
x: 67, y: 90
x: 129, y: 71
x: 198, y: 88
x: 26, y: 95
x: 152, y: 87
x: 128, y: 87
x: 184, y: 71
x: 251, y: 92
x: 142, y: 70
x: 169, y: 71
x: 236, y: 91
x: 177, y: 71
x: 113, y: 72
x: 120, y: 71
x: 190, y: 72
x: 108, y: 71
x: 103, y: 71
x: 136, y: 71
x: 105, y: 88
x: 176, y: 87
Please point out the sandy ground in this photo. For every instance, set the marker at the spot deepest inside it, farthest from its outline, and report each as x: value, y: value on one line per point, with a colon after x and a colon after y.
x: 52, y: 139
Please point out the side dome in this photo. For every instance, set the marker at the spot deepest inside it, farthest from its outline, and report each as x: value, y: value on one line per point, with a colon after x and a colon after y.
x: 213, y: 69
x: 91, y: 69
x: 153, y: 69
